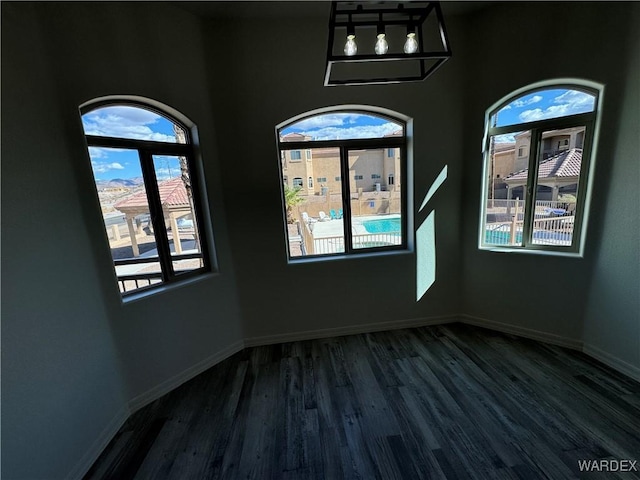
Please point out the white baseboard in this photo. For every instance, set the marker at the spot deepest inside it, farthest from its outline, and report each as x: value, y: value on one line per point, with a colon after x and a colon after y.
x: 348, y: 330
x: 522, y: 332
x: 97, y: 447
x: 168, y: 385
x: 613, y: 361
x: 608, y: 359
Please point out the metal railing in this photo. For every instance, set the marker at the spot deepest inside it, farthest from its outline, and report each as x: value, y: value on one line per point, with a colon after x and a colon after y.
x: 335, y: 244
x: 546, y: 231
x: 128, y: 282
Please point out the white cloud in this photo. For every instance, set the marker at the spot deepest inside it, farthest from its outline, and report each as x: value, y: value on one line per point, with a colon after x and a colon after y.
x: 167, y: 173
x: 166, y: 167
x: 524, y: 103
x: 578, y: 102
x: 326, y: 120
x: 554, y: 111
x: 361, y: 131
x: 320, y: 121
x: 506, y: 138
x: 569, y: 102
x: 95, y: 152
x: 101, y: 167
x: 124, y: 122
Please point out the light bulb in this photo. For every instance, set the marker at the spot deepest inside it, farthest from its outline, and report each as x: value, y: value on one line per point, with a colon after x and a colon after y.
x: 350, y: 48
x: 411, y: 45
x: 381, y: 45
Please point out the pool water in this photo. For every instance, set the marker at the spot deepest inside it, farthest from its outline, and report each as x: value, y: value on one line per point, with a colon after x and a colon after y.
x: 497, y: 237
x: 382, y: 225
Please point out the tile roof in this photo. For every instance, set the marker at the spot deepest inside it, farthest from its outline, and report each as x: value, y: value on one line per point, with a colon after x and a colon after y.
x: 563, y: 165
x: 172, y: 193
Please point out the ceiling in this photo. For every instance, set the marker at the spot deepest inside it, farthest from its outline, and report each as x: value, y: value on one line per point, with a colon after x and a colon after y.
x: 266, y: 9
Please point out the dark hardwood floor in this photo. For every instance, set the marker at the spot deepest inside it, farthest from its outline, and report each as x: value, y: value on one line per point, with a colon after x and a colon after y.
x: 451, y: 401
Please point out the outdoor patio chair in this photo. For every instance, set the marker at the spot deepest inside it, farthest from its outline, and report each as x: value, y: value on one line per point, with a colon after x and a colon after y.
x: 323, y: 216
x: 307, y: 219
x: 333, y: 214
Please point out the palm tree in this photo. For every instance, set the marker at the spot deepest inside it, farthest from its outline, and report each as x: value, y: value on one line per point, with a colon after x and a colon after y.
x: 291, y: 199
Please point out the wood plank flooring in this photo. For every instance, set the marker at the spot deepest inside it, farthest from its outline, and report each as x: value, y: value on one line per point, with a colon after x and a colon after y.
x: 453, y: 401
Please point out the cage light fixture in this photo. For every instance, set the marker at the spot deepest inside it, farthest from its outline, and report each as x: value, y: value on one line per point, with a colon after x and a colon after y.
x: 383, y: 55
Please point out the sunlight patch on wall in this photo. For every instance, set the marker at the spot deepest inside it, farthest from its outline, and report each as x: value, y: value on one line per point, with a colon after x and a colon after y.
x: 434, y: 186
x: 426, y: 243
x: 426, y: 255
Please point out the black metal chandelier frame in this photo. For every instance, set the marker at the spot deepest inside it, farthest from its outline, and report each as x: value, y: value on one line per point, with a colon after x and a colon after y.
x: 350, y: 15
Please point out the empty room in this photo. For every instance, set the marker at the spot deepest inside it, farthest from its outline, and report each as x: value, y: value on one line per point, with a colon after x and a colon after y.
x: 320, y: 240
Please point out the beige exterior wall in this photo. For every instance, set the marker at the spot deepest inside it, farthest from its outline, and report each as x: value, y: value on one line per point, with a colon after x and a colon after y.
x: 504, y: 163
x: 523, y: 141
x: 392, y: 171
x: 553, y: 142
x: 323, y: 166
x: 363, y: 166
x: 297, y: 169
x: 326, y: 168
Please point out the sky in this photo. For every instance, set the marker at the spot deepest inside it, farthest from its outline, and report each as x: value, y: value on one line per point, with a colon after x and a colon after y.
x: 332, y: 126
x: 137, y: 123
x: 128, y: 122
x: 542, y: 105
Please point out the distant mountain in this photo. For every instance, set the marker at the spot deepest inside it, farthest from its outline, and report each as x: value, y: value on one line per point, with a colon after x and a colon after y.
x: 119, y: 183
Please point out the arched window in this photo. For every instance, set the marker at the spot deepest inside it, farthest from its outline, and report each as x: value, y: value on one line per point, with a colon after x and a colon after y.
x: 146, y: 179
x: 537, y: 171
x: 351, y: 210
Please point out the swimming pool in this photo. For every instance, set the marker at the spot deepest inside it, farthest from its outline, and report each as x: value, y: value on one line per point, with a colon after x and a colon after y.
x: 501, y: 237
x: 383, y: 225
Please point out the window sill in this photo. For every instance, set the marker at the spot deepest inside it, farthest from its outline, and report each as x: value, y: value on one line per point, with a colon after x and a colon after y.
x: 351, y: 256
x: 152, y: 292
x: 530, y: 251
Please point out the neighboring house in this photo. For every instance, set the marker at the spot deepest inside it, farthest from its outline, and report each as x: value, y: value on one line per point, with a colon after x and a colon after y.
x: 503, y: 165
x: 558, y: 174
x: 553, y: 142
x: 317, y: 171
x: 511, y: 158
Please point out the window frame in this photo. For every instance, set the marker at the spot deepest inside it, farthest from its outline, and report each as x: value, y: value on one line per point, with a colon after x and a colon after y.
x: 146, y: 149
x: 345, y: 146
x: 589, y: 120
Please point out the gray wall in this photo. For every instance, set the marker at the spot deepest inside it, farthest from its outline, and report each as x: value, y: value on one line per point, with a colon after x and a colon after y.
x: 276, y: 72
x: 73, y: 355
x: 612, y: 315
x: 559, y: 40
